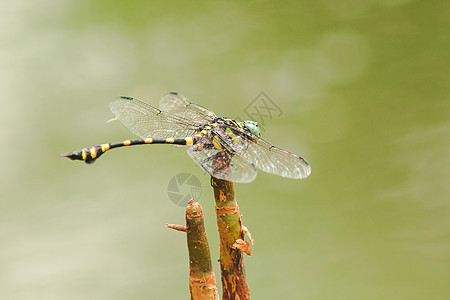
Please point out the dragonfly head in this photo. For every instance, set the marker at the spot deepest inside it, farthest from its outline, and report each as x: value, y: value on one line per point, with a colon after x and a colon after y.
x: 251, y: 126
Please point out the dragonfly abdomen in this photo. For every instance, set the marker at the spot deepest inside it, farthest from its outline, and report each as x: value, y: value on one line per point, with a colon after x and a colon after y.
x: 91, y: 154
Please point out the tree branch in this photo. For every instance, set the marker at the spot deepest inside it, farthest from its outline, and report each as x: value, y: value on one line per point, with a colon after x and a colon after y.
x: 234, y: 283
x: 202, y: 281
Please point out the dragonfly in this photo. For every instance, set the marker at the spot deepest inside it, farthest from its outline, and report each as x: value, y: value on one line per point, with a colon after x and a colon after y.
x: 222, y: 147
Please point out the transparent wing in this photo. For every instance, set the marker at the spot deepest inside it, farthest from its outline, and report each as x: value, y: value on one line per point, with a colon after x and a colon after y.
x: 222, y: 163
x: 177, y: 104
x: 145, y: 120
x: 263, y: 155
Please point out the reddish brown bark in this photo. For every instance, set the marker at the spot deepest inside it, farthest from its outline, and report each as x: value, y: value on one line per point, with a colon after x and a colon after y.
x: 177, y: 227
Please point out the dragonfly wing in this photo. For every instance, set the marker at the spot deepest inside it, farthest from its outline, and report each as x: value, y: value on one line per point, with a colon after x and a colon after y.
x: 145, y: 120
x: 177, y: 104
x: 265, y: 156
x: 221, y: 163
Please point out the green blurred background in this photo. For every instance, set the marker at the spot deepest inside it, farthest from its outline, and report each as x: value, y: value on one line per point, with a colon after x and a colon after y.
x: 363, y: 86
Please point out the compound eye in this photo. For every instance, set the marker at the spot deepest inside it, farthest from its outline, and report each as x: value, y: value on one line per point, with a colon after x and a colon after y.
x: 252, y: 127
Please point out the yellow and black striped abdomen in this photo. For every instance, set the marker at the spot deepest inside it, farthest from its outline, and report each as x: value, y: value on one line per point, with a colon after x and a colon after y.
x: 90, y: 154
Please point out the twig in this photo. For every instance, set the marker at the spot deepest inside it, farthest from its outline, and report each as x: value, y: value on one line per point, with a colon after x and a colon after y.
x: 234, y: 283
x: 202, y: 281
x: 176, y: 227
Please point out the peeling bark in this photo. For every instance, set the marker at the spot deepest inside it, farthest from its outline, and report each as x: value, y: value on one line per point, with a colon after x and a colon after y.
x: 231, y: 232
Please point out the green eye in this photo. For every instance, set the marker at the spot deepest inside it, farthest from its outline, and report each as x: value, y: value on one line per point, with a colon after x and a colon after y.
x: 252, y: 127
